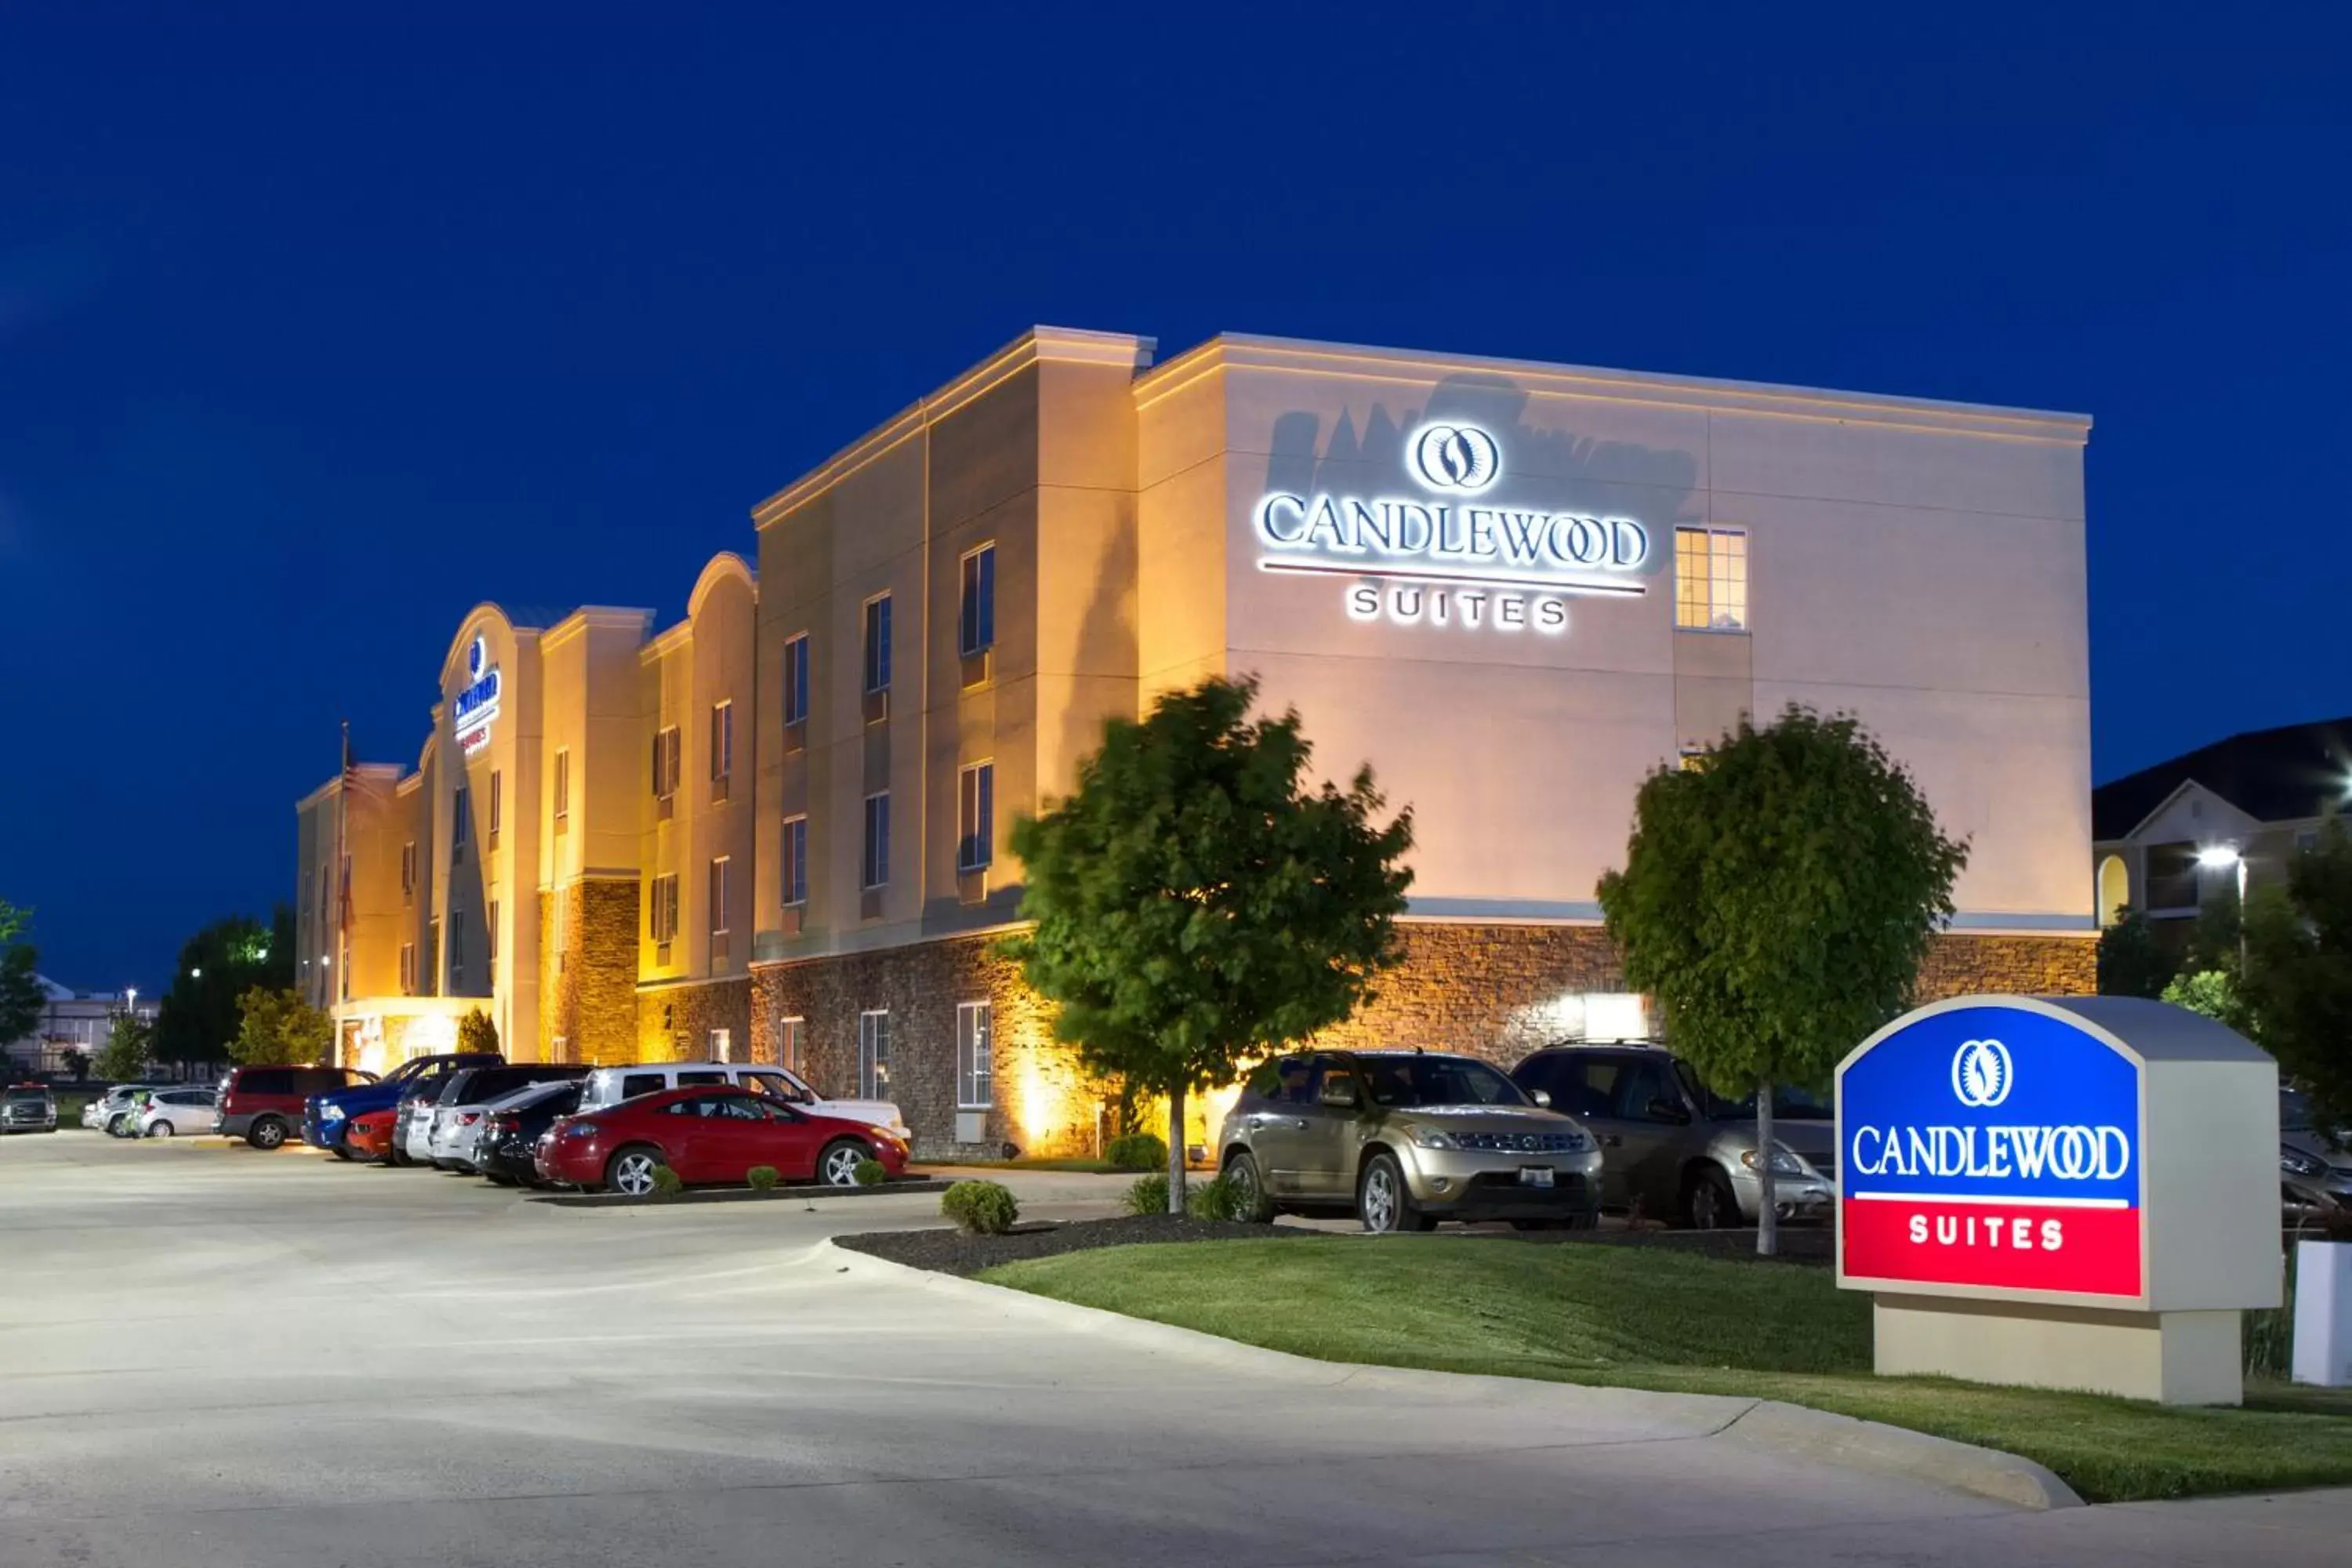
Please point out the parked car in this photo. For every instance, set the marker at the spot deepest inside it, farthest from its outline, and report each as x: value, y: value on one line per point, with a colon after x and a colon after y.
x: 512, y: 1128
x: 264, y: 1106
x: 172, y: 1112
x: 325, y: 1116
x: 2315, y: 1170
x: 412, y: 1129
x: 709, y: 1135
x: 611, y: 1085
x: 458, y: 1115
x: 1681, y: 1152
x: 1403, y: 1140
x: 124, y: 1122
x: 368, y: 1135
x: 28, y: 1108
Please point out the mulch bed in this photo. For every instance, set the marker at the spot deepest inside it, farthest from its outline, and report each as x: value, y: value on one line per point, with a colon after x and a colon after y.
x: 953, y: 1252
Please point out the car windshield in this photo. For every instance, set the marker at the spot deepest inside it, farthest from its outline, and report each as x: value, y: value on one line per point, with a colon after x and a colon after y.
x: 1789, y: 1104
x: 1437, y: 1080
x: 28, y: 1096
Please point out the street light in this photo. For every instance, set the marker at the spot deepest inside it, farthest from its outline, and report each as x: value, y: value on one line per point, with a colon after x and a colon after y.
x: 2217, y: 857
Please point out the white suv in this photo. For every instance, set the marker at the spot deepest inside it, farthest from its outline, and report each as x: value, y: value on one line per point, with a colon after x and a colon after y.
x: 609, y: 1086
x: 178, y: 1111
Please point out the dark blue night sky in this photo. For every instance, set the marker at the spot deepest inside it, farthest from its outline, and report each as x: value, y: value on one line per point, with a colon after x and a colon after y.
x: 311, y: 336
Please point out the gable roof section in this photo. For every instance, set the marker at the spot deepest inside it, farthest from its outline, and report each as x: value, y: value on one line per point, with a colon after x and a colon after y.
x: 2294, y: 772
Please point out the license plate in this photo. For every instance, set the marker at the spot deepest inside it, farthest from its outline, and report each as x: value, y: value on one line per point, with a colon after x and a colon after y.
x: 1535, y: 1176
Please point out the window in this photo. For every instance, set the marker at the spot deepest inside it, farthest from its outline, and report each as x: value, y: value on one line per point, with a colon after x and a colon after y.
x: 875, y: 868
x: 408, y: 969
x: 975, y: 816
x: 490, y: 937
x: 637, y: 1083
x: 718, y: 899
x: 661, y: 912
x: 408, y: 871
x: 459, y: 824
x: 877, y: 643
x: 665, y: 754
x: 343, y: 970
x: 796, y: 679
x: 977, y: 622
x: 563, y: 784
x: 722, y: 740
x: 2173, y: 876
x: 497, y: 805
x: 722, y: 1045
x: 874, y: 1053
x: 456, y: 949
x: 975, y: 1041
x: 1711, y: 579
x: 788, y: 1043
x: 796, y: 858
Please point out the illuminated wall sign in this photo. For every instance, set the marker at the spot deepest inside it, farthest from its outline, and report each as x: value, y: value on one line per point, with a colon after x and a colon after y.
x: 1452, y: 560
x: 1993, y: 1147
x: 477, y: 705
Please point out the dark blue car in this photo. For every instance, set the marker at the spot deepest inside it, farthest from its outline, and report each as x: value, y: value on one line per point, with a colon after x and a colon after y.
x: 326, y: 1116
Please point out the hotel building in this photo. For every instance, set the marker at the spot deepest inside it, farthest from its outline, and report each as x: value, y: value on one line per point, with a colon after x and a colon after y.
x: 779, y: 829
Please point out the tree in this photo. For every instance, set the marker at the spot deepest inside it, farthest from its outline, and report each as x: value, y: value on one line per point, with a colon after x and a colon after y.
x: 124, y: 1057
x: 1197, y: 905
x: 13, y: 920
x: 278, y: 1027
x: 200, y: 1010
x: 2213, y: 992
x: 22, y: 1000
x: 477, y: 1033
x: 2298, y: 979
x: 2132, y: 963
x: 1777, y: 901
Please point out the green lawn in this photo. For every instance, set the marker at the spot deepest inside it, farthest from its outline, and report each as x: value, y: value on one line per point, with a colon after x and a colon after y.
x: 1647, y: 1317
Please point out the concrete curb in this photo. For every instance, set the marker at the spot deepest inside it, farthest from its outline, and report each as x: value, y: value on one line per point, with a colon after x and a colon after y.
x: 1765, y: 1424
x: 731, y: 1195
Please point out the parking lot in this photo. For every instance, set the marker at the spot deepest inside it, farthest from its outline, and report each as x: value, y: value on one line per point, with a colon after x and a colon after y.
x: 210, y: 1355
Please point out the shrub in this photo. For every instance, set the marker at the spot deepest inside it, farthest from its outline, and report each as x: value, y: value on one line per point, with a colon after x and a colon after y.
x: 983, y: 1208
x: 1214, y: 1199
x: 764, y: 1178
x: 1137, y: 1151
x: 871, y: 1172
x: 1149, y: 1194
x: 666, y: 1182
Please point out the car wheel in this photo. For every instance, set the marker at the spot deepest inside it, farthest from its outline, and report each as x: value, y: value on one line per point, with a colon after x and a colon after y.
x: 837, y: 1166
x: 160, y: 1129
x: 1383, y: 1202
x: 631, y: 1171
x: 498, y: 1178
x: 114, y: 1126
x: 341, y: 1152
x: 1708, y: 1203
x: 266, y: 1133
x: 1249, y: 1192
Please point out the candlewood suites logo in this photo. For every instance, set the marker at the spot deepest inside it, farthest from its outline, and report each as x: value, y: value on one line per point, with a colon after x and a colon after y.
x: 1456, y: 458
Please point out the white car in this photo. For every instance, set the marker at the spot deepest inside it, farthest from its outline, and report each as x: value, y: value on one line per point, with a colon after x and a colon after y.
x: 463, y: 1109
x: 114, y: 1103
x: 609, y: 1086
x: 176, y: 1112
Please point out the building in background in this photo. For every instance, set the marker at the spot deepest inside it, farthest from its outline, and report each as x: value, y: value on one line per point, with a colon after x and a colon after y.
x: 780, y: 828
x: 73, y: 1024
x: 2170, y: 838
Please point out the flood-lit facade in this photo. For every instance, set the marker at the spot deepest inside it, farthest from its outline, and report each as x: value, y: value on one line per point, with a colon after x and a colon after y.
x: 1513, y: 589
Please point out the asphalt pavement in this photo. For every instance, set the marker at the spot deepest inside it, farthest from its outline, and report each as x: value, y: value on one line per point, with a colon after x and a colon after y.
x: 214, y: 1356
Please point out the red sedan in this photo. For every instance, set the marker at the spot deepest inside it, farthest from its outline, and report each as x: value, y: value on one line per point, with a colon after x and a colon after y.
x: 369, y: 1135
x: 710, y: 1136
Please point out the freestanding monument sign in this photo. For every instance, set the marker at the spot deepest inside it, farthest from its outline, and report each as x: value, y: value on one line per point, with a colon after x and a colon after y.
x: 2074, y: 1192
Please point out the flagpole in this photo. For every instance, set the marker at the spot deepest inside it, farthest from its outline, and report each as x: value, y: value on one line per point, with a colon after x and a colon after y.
x: 343, y: 885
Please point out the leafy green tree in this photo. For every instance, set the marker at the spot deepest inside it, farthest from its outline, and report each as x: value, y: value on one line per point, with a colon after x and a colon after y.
x: 1197, y: 905
x: 277, y: 1027
x: 1777, y: 902
x: 13, y: 920
x: 2132, y: 963
x: 200, y: 1011
x: 22, y: 1000
x: 2298, y: 980
x: 477, y: 1033
x: 125, y: 1055
x: 2213, y: 992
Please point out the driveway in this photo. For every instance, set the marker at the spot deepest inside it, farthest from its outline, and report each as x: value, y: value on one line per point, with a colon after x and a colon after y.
x: 214, y: 1356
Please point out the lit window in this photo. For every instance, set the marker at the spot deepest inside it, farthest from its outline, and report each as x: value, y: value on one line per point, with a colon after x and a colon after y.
x: 977, y: 621
x: 796, y: 859
x: 661, y: 913
x: 875, y: 864
x: 1711, y: 579
x: 874, y: 1053
x: 722, y: 1045
x: 878, y: 644
x: 788, y: 1044
x: 796, y: 679
x: 975, y: 816
x: 408, y: 969
x: 719, y: 896
x: 975, y: 1058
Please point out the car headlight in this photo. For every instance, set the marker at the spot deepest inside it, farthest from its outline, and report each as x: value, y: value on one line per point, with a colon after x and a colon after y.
x: 1431, y: 1137
x: 2296, y: 1163
x: 1783, y: 1163
x: 331, y: 1113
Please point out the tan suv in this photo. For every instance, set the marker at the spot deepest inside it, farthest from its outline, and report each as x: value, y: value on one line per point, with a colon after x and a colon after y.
x: 1404, y: 1138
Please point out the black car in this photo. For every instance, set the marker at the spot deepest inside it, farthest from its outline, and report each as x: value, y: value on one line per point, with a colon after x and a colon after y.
x: 505, y: 1154
x: 465, y: 1098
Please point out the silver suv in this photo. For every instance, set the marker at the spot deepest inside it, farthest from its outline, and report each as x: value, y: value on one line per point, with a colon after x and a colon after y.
x: 1680, y: 1152
x: 1406, y: 1139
